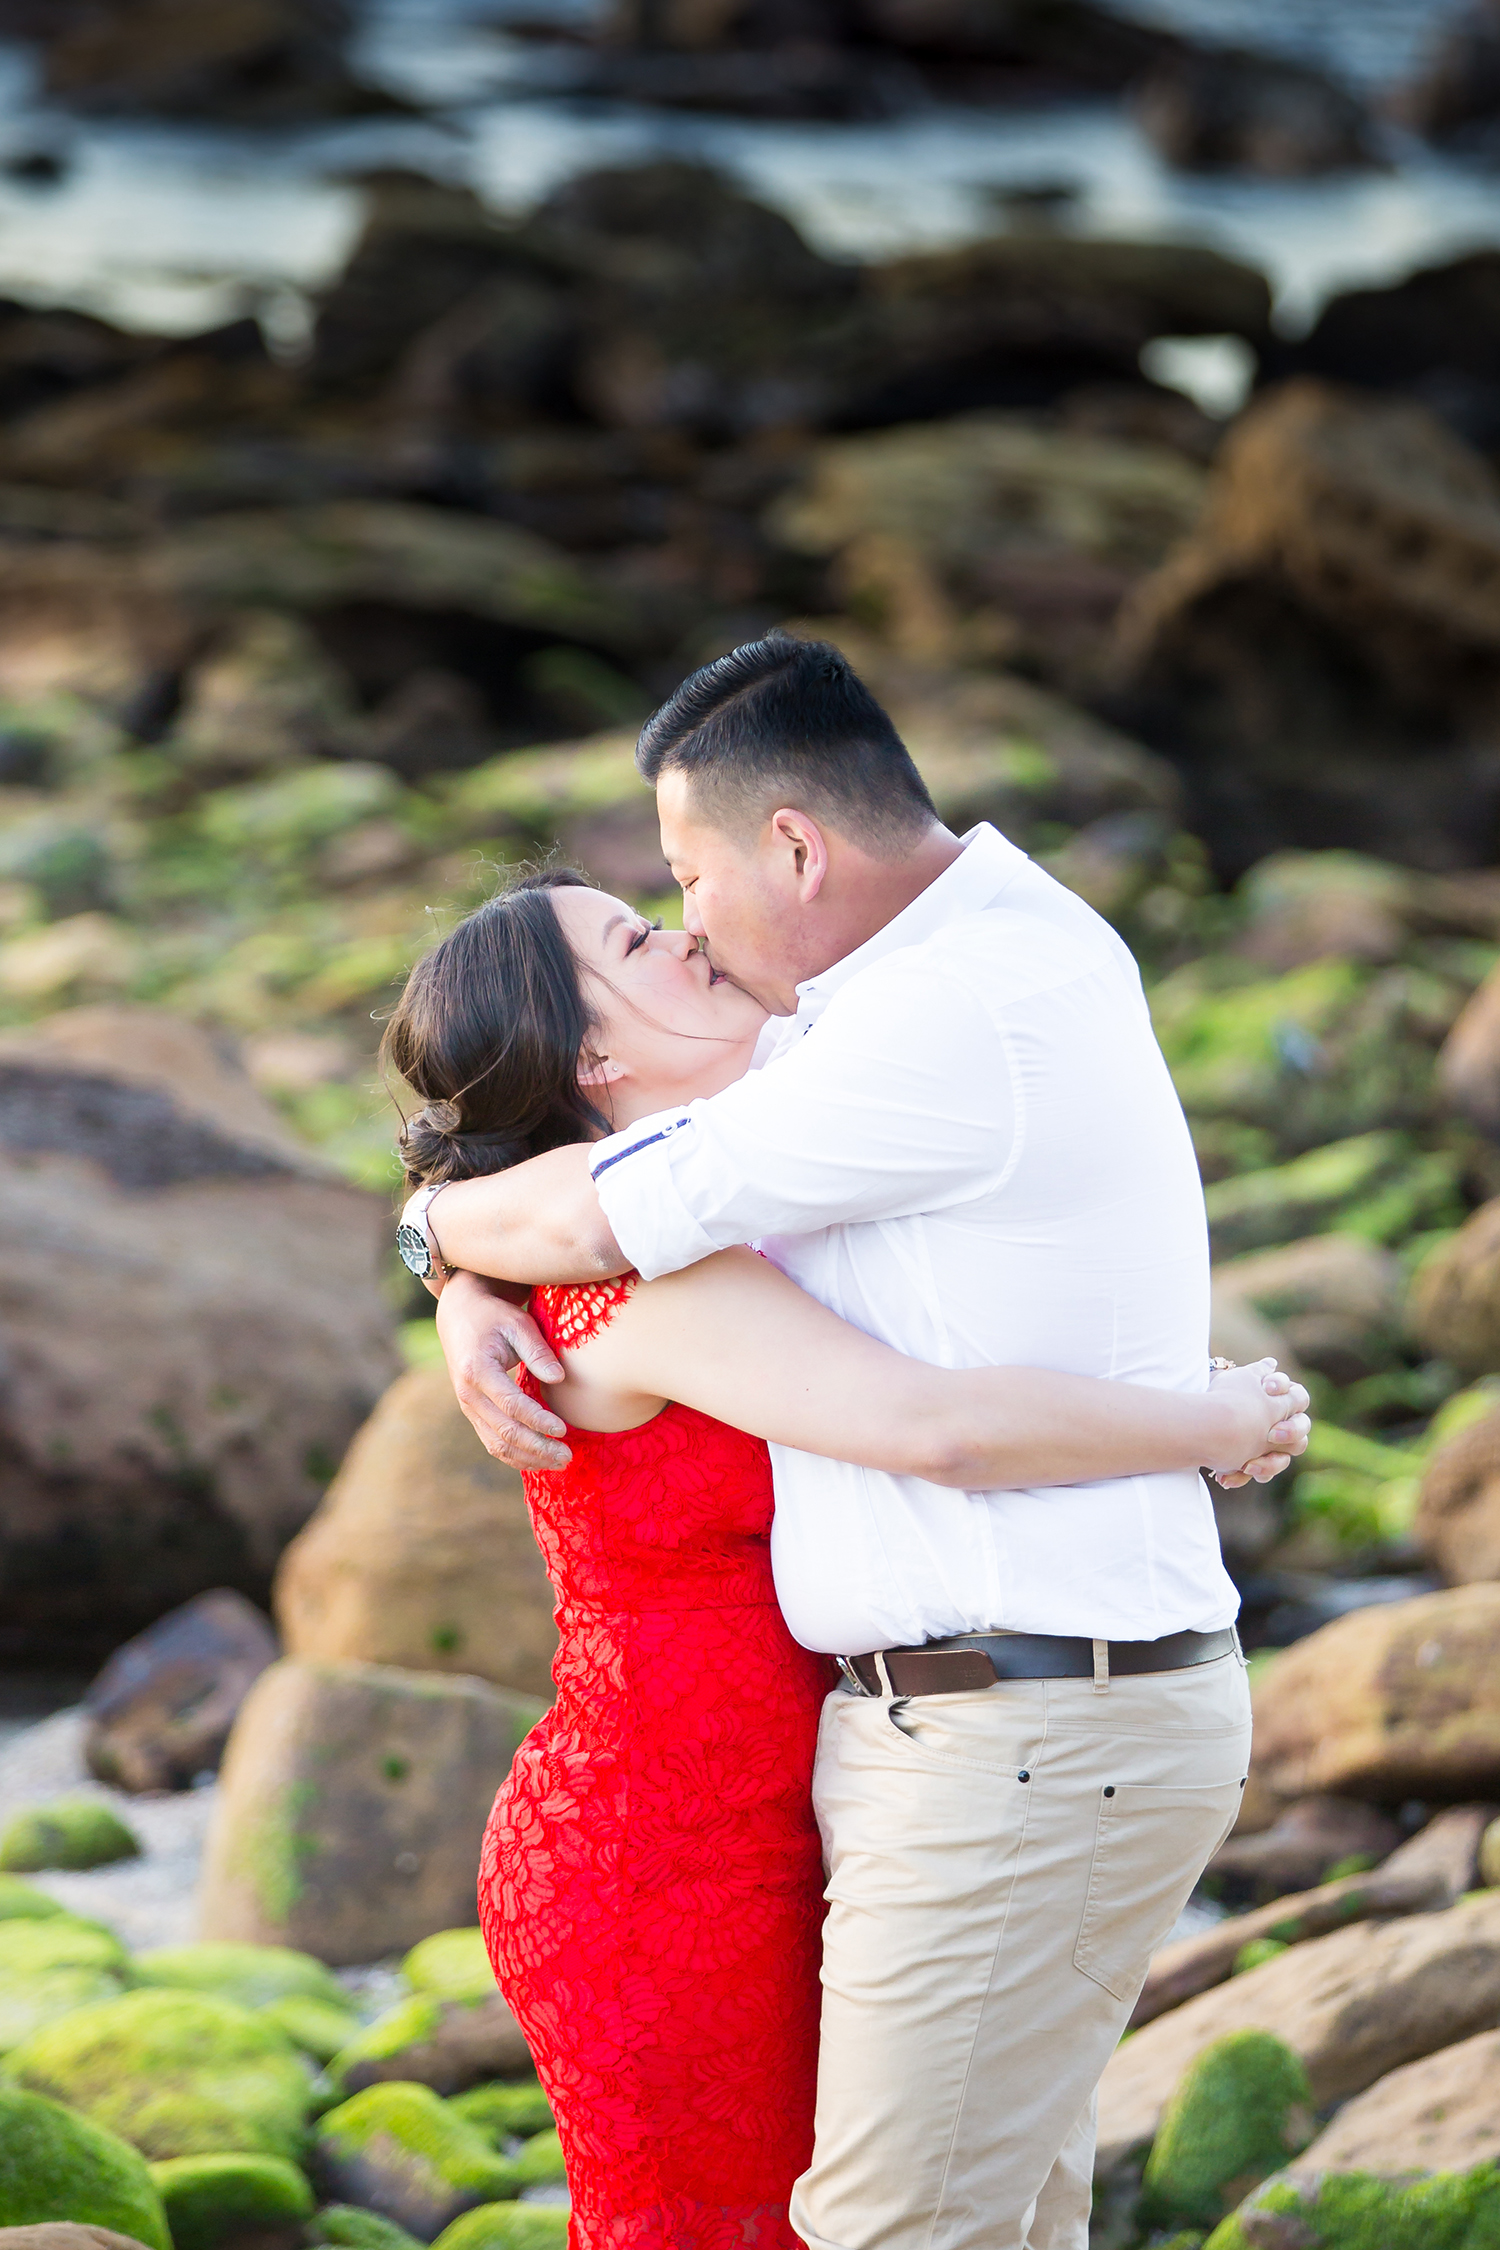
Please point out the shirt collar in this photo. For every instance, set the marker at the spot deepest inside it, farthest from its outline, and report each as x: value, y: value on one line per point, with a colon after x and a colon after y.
x: 987, y: 862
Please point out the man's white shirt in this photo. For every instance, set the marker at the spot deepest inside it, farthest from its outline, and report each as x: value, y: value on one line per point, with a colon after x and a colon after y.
x: 966, y: 1143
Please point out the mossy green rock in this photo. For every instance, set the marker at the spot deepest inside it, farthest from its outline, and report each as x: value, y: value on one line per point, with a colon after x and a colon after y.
x: 177, y: 2073
x: 23, y: 1902
x: 507, y: 2226
x: 540, y: 2162
x: 55, y: 2164
x: 72, y: 1832
x: 252, y: 1975
x: 1239, y: 2112
x: 210, y: 2199
x: 51, y: 1966
x: 501, y: 2111
x: 451, y: 1963
x: 408, y: 2024
x: 399, y: 2150
x: 345, y: 2227
x: 1357, y: 2211
x: 318, y: 2029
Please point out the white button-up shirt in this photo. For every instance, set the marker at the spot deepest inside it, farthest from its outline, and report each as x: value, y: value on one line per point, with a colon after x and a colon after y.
x: 966, y: 1143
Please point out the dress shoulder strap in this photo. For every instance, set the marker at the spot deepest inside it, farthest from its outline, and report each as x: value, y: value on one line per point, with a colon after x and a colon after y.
x: 571, y: 1312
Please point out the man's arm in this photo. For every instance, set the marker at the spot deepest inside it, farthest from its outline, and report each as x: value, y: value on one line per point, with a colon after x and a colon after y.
x: 538, y: 1222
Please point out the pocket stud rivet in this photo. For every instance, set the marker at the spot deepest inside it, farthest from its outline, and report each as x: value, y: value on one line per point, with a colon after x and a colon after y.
x: 1109, y: 1792
x: 1023, y: 1777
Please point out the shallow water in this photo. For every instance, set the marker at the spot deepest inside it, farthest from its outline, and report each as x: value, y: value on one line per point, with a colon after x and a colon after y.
x: 174, y: 227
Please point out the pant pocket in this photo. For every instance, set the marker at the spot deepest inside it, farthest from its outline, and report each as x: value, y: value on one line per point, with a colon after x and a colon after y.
x: 1150, y: 1847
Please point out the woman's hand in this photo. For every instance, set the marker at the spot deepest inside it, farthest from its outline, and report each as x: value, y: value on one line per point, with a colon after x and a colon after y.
x: 1270, y: 1425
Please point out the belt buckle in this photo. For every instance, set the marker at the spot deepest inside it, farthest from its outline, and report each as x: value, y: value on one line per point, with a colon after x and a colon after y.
x: 850, y: 1676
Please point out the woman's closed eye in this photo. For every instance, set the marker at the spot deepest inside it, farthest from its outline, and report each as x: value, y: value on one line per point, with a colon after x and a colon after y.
x: 641, y: 935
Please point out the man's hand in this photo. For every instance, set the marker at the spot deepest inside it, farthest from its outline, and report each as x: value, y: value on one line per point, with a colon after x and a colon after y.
x: 483, y: 1336
x: 1278, y: 1405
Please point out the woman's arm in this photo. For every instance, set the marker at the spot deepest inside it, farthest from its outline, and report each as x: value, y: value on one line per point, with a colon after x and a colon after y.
x: 734, y: 1338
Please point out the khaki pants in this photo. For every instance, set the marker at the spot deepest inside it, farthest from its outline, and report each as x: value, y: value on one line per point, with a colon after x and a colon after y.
x: 1002, y: 1865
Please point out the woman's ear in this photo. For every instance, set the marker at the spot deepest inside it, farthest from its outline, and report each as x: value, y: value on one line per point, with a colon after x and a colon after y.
x: 599, y: 1070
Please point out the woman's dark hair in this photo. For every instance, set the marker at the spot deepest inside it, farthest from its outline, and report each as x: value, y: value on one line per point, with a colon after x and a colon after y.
x: 489, y: 1031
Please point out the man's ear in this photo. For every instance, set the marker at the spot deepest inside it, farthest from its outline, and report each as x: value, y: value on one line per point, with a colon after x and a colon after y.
x: 796, y: 836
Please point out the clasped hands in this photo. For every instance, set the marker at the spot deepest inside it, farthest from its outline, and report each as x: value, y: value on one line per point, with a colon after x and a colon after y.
x: 1254, y: 1386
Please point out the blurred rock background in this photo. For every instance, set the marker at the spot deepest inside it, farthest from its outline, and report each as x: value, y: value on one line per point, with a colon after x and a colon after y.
x: 339, y: 563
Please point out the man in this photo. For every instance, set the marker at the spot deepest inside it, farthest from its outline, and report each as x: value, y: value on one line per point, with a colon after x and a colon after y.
x: 961, y: 1136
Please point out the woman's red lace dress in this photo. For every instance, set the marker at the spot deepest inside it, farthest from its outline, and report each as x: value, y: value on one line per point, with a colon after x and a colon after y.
x: 651, y: 1886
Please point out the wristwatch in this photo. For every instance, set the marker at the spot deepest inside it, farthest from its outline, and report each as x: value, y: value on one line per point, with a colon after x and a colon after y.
x: 415, y: 1240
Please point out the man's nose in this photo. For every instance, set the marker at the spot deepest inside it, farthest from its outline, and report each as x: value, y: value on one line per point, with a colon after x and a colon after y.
x: 692, y: 921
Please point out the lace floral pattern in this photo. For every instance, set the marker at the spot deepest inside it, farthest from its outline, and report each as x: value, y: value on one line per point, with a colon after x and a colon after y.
x: 650, y: 1890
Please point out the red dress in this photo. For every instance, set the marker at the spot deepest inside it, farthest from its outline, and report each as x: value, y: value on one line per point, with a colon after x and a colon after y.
x: 651, y: 1884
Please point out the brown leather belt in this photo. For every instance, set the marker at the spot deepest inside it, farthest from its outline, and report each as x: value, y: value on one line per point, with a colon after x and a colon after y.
x: 978, y: 1660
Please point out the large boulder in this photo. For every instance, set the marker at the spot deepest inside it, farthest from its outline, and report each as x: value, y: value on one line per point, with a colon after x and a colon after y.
x: 1455, y: 1297
x: 160, y: 1712
x: 260, y: 61
x: 421, y: 1554
x: 1337, y: 1299
x: 1440, y: 2114
x: 1468, y: 1069
x: 1398, y: 1700
x: 1354, y: 538
x: 1457, y: 1523
x: 446, y: 2044
x: 217, y: 2202
x: 1238, y: 2112
x: 353, y: 1800
x: 175, y: 2073
x: 1305, y: 2210
x: 253, y: 1976
x: 51, y: 1965
x: 1311, y: 1838
x: 172, y: 1410
x: 1222, y: 109
x: 1352, y: 2005
x: 1435, y: 333
x: 56, y: 2165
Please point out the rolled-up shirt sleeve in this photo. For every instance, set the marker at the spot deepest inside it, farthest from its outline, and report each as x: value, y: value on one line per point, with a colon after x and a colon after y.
x: 903, y: 1097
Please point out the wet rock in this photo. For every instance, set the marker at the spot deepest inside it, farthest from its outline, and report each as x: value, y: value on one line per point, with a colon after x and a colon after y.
x: 398, y: 2151
x: 1337, y: 1300
x: 70, y: 1832
x: 170, y: 1428
x: 1222, y: 109
x: 1352, y: 2005
x: 1304, y: 1847
x: 1306, y: 906
x: 1352, y: 536
x: 315, y: 2026
x: 540, y: 2163
x: 429, y: 2040
x: 175, y: 2073
x: 421, y: 1554
x: 1436, y: 334
x: 1396, y: 1701
x: 258, y: 61
x: 61, y: 2167
x: 253, y: 1976
x: 1440, y: 2114
x: 49, y: 1967
x: 1458, y: 87
x: 1340, y: 2210
x: 1241, y: 2109
x: 1468, y: 1069
x: 504, y: 2112
x: 1457, y: 1524
x: 215, y: 2202
x: 161, y: 1710
x: 1455, y: 1296
x: 353, y: 1801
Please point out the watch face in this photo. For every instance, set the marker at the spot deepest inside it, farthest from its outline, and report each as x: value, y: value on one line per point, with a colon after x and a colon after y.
x: 415, y: 1255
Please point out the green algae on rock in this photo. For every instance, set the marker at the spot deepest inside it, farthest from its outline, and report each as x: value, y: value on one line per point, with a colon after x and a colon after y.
x: 1239, y: 2112
x: 343, y: 2226
x: 51, y: 1965
x: 55, y: 2164
x: 177, y: 2073
x: 251, y: 1975
x: 507, y: 2226
x: 71, y: 1832
x: 211, y: 2199
x: 23, y: 1902
x: 540, y: 2162
x: 500, y: 2110
x: 1360, y: 2211
x: 399, y: 2150
x: 447, y: 2044
x: 319, y: 2029
x: 451, y: 1963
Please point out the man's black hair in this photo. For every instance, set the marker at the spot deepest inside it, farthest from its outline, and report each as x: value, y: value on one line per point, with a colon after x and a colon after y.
x: 788, y: 722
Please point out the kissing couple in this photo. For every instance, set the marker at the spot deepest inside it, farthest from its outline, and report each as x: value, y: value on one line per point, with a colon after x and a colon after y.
x: 886, y: 1575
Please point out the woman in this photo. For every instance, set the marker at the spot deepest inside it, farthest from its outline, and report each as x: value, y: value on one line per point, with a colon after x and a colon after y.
x: 650, y: 1889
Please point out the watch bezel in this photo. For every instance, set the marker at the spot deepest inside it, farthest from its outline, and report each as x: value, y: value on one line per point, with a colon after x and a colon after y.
x: 415, y: 1251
